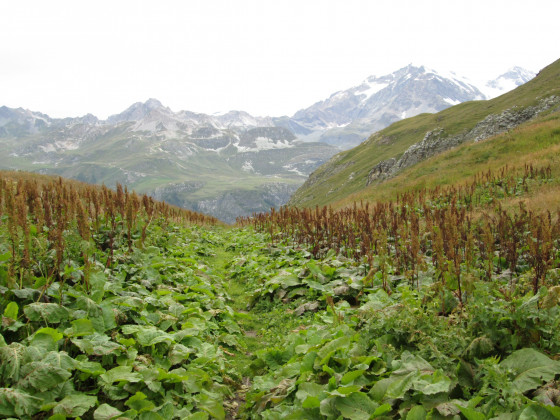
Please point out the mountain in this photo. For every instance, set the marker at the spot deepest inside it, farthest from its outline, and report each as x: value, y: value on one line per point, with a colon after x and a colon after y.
x: 514, y: 77
x: 348, y: 117
x: 230, y: 164
x: 226, y: 165
x: 390, y: 156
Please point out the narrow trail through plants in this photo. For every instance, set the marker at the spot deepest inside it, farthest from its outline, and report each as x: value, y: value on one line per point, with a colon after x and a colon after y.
x: 258, y: 326
x: 244, y: 263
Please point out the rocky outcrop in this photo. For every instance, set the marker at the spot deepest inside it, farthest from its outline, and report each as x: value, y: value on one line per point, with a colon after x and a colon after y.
x: 436, y: 141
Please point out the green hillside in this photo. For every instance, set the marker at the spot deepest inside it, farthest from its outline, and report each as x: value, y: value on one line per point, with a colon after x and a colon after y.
x: 346, y: 174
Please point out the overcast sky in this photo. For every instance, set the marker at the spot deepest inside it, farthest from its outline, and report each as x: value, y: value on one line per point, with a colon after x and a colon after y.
x: 69, y: 58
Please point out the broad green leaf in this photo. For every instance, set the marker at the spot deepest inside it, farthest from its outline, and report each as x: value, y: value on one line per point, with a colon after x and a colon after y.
x: 399, y: 387
x: 26, y: 293
x: 139, y: 402
x: 16, y: 402
x: 433, y: 384
x: 531, y: 369
x: 379, y: 389
x: 89, y: 306
x: 46, y: 339
x: 150, y: 336
x: 11, y: 311
x: 48, y: 312
x: 41, y: 376
x: 315, y: 285
x: 98, y: 345
x: 116, y: 392
x: 356, y: 406
x: 179, y: 353
x: 150, y: 415
x: 131, y: 328
x: 412, y: 363
x: 328, y: 349
x: 555, y: 410
x: 536, y: 412
x: 11, y: 358
x: 471, y: 413
x: 311, y: 402
x: 198, y: 416
x: 55, y: 334
x: 328, y: 409
x: 120, y: 374
x: 106, y: 412
x: 309, y: 389
x: 2, y: 341
x: 80, y: 327
x: 75, y: 405
x: 106, y: 321
x: 308, y: 362
x: 349, y: 377
x: 416, y: 413
x: 212, y: 406
x: 60, y: 359
x: 381, y: 410
x: 343, y: 391
x: 97, y: 281
x: 93, y: 368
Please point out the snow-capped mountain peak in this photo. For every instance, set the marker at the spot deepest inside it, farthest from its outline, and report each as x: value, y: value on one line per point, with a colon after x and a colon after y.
x: 380, y: 100
x: 514, y: 77
x: 139, y: 111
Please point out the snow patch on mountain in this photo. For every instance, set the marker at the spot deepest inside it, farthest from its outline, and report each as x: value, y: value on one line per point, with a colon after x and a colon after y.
x: 370, y: 87
x: 264, y: 143
x: 248, y: 166
x: 452, y: 101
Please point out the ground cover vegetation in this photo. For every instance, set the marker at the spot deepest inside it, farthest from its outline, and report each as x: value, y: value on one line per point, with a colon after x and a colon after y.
x: 441, y: 304
x: 451, y: 310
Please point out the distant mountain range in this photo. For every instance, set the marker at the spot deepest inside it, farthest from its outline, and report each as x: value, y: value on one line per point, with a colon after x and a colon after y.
x: 231, y: 164
x: 227, y: 166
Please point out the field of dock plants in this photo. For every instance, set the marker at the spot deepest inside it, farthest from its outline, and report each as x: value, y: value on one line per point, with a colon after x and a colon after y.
x: 440, y: 305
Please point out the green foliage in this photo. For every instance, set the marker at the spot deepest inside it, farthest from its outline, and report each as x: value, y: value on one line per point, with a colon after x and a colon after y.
x: 213, y: 322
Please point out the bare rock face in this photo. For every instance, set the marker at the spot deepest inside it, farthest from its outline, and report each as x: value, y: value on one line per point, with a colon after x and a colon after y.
x: 435, y: 141
x: 381, y: 171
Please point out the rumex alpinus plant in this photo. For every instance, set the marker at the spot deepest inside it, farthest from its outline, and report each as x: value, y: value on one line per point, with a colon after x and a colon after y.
x: 442, y: 224
x: 47, y: 213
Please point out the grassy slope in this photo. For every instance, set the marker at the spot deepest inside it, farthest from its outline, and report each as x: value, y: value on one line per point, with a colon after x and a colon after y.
x: 347, y: 172
x: 536, y: 143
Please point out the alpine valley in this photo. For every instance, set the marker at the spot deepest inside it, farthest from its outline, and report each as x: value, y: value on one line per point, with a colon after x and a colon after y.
x: 232, y: 164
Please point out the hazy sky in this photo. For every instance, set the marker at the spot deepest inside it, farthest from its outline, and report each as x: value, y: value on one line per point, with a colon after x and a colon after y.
x: 68, y: 58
